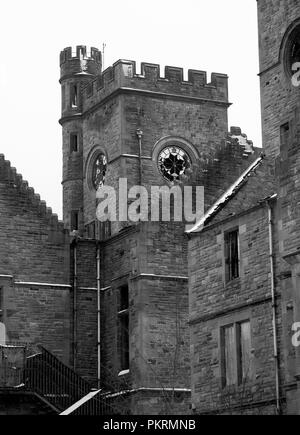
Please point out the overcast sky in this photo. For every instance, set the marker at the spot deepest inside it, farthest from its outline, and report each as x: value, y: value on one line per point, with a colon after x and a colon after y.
x: 215, y: 35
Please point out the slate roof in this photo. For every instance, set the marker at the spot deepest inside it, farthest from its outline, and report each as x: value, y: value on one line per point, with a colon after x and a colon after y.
x: 255, y: 184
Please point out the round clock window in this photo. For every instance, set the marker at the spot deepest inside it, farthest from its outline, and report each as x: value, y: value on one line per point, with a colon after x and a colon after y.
x: 292, y: 52
x: 99, y: 171
x: 173, y: 162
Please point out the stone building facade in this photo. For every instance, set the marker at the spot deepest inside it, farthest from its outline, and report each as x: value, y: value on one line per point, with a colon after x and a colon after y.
x: 123, y: 121
x: 164, y: 319
x: 110, y: 299
x: 243, y: 254
x: 35, y: 288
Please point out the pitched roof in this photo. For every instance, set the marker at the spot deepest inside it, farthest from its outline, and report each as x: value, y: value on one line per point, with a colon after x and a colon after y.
x: 263, y: 185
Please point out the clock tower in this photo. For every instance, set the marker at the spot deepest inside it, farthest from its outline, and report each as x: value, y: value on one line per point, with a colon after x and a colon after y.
x: 130, y: 279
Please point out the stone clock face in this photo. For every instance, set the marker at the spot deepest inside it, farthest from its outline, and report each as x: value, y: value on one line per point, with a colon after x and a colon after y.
x: 293, y: 50
x: 173, y: 162
x: 99, y: 171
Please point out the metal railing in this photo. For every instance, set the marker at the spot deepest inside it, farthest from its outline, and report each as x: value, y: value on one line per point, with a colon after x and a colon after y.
x: 60, y: 385
x: 39, y: 371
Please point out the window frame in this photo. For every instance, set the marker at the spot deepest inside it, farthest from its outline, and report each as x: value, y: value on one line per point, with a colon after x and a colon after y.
x: 227, y: 263
x: 63, y: 96
x: 239, y: 372
x: 1, y: 305
x: 74, y: 96
x: 285, y: 137
x: 74, y: 134
x: 286, y: 47
x: 123, y: 320
x: 104, y: 230
x: 74, y: 217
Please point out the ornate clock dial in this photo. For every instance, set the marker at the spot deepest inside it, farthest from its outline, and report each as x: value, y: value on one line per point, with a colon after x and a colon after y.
x: 293, y: 50
x: 99, y: 171
x: 173, y: 162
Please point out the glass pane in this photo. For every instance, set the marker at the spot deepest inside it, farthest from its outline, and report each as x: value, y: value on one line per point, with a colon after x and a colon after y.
x: 124, y: 325
x: 124, y: 298
x: 2, y: 334
x: 245, y: 349
x: 229, y: 343
x: 234, y: 254
x: 231, y: 255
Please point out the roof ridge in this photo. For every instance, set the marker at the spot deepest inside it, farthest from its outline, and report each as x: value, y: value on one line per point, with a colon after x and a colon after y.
x: 226, y: 196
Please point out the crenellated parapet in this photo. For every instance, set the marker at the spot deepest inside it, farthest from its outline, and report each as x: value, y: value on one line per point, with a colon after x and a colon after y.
x: 80, y: 60
x: 122, y: 74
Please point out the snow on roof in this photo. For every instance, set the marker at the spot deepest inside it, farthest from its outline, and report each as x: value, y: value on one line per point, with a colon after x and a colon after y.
x: 212, y: 211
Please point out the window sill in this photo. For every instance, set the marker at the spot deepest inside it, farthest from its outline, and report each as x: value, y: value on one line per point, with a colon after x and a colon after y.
x: 124, y: 372
x: 238, y: 387
x: 123, y: 312
x: 232, y: 282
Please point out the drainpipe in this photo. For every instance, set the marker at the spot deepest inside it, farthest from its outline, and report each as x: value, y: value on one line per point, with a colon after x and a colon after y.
x: 276, y: 357
x: 98, y: 315
x: 139, y: 134
x: 75, y: 305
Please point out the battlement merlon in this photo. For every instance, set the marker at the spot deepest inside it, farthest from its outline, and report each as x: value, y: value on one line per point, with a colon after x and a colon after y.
x: 80, y: 52
x: 80, y: 60
x: 122, y: 74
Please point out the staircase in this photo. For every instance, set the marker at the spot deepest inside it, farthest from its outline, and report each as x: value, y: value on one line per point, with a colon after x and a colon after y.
x: 59, y: 385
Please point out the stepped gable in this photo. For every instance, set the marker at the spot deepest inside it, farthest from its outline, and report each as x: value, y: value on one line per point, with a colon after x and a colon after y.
x: 9, y: 175
x: 218, y: 169
x: 242, y: 139
x: 257, y: 185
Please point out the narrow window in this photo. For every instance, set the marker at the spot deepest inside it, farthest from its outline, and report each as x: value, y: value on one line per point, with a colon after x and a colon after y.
x: 73, y: 142
x: 243, y: 350
x: 228, y: 356
x: 74, y: 95
x: 107, y: 229
x: 123, y: 315
x: 231, y: 255
x: 284, y: 136
x: 1, y: 304
x: 104, y: 230
x: 63, y: 97
x: 235, y: 353
x: 91, y: 230
x: 74, y: 220
x: 101, y: 230
x: 2, y: 326
x: 124, y: 300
